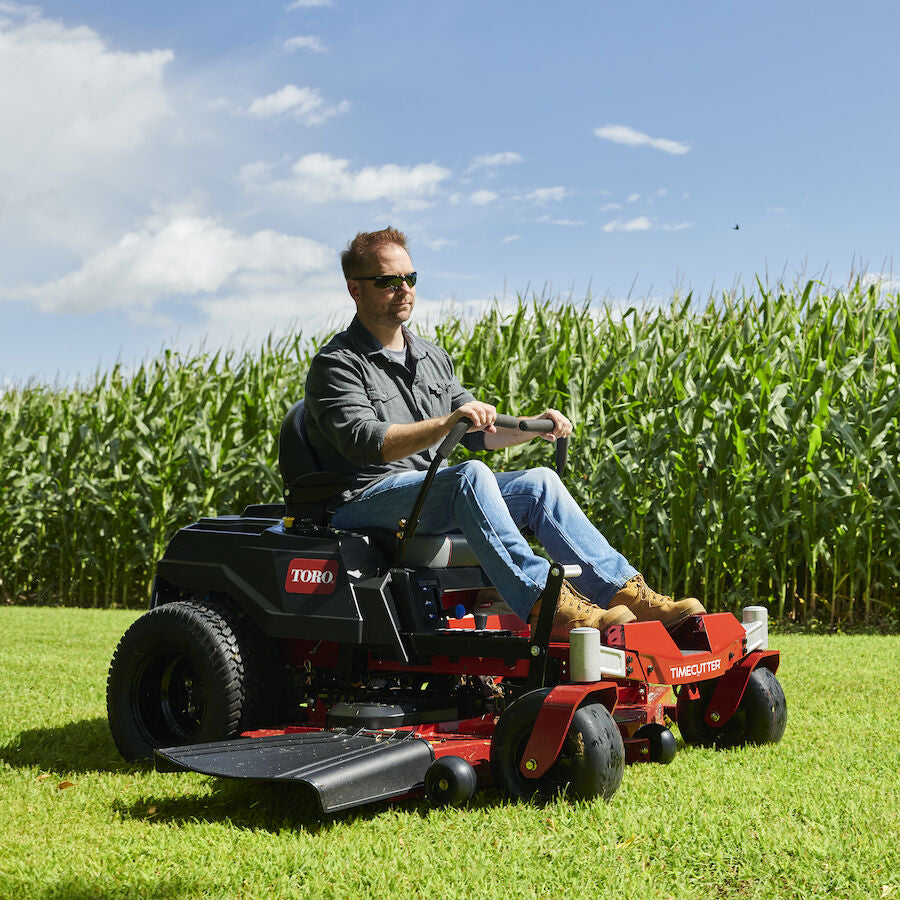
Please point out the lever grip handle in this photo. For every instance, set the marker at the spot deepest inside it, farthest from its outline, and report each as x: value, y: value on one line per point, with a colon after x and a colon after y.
x: 535, y: 425
x: 514, y: 422
x: 502, y: 421
x: 453, y: 438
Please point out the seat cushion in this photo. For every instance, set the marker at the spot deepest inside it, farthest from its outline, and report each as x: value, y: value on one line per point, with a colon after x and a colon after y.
x: 435, y: 551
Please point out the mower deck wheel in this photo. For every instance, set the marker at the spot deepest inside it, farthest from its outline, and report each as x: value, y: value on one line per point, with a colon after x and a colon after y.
x: 663, y: 745
x: 450, y: 781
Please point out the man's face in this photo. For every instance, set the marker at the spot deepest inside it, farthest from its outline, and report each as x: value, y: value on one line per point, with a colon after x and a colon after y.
x: 384, y: 307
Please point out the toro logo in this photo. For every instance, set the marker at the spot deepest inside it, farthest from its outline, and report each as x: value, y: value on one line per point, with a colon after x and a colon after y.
x: 311, y: 576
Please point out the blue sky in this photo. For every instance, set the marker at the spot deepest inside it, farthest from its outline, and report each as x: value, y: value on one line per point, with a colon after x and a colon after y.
x: 186, y: 174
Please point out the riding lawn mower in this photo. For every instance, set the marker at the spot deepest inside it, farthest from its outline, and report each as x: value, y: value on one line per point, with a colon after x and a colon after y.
x: 363, y: 665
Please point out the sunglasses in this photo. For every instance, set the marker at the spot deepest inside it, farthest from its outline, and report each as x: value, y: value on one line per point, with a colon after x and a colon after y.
x: 389, y: 281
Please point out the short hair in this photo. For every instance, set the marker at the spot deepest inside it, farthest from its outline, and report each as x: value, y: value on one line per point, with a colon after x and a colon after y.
x: 364, y: 246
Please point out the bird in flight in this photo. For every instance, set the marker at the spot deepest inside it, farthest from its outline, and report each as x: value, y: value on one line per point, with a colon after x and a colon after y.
x: 737, y: 228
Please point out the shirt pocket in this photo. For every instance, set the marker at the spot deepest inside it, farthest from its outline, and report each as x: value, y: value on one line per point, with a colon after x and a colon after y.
x: 385, y: 400
x: 438, y: 397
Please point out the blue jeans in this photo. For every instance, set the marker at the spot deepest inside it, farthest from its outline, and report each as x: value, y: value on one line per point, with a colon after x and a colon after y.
x: 489, y: 509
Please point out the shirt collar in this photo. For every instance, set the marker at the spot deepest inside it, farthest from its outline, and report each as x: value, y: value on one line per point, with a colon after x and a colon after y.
x: 370, y: 345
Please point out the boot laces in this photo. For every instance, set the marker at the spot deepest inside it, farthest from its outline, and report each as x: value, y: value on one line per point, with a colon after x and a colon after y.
x: 569, y: 593
x: 650, y: 597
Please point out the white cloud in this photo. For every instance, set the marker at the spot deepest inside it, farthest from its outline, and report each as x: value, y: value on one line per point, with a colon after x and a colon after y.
x: 610, y: 206
x: 306, y: 4
x: 642, y: 223
x: 633, y: 198
x: 492, y: 160
x: 881, y: 281
x: 320, y: 178
x: 569, y: 223
x: 253, y: 175
x: 304, y: 42
x: 510, y: 238
x: 247, y: 317
x: 681, y: 226
x: 622, y: 134
x: 304, y: 104
x: 182, y: 254
x: 85, y: 130
x: 69, y: 103
x: 548, y: 195
x: 483, y: 198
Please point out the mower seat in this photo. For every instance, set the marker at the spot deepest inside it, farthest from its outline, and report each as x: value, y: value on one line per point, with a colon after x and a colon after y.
x: 312, y: 491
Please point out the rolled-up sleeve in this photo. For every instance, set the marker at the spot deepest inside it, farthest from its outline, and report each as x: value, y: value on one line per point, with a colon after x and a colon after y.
x: 355, y: 392
x: 343, y: 411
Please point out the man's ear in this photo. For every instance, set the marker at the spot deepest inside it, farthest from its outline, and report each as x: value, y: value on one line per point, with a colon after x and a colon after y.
x: 353, y: 288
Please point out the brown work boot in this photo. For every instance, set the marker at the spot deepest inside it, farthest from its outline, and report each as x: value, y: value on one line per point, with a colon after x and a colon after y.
x: 576, y: 611
x: 648, y: 606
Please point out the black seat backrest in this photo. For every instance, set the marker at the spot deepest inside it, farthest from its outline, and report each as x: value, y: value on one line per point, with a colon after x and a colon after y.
x: 309, y: 490
x: 295, y: 455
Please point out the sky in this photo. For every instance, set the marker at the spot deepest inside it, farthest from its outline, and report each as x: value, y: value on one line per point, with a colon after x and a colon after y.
x: 186, y: 174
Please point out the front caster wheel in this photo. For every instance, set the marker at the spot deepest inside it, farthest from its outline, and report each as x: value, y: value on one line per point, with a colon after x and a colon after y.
x: 759, y: 719
x: 590, y: 764
x: 663, y: 746
x: 450, y: 781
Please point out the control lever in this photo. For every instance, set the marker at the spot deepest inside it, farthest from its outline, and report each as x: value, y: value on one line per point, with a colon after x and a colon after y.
x: 561, y: 444
x: 445, y: 448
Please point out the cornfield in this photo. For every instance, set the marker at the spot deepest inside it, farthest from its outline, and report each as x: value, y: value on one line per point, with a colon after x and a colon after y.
x: 742, y: 449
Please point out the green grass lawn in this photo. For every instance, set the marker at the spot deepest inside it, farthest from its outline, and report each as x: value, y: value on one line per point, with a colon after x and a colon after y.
x: 816, y: 814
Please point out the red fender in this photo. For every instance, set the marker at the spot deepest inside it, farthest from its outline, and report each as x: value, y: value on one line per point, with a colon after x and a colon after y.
x: 731, y: 686
x: 553, y: 721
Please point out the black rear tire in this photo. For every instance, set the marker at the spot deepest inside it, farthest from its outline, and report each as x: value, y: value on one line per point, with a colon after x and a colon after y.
x: 590, y: 764
x: 186, y: 673
x: 760, y: 718
x: 269, y: 697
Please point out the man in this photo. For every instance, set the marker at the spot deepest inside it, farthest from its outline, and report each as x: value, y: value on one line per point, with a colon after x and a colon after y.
x: 379, y: 399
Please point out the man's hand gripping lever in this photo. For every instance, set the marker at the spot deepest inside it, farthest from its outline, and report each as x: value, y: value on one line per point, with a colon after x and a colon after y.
x: 561, y: 443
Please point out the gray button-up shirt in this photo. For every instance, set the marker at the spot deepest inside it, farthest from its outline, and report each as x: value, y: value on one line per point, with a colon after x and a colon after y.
x: 355, y: 391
